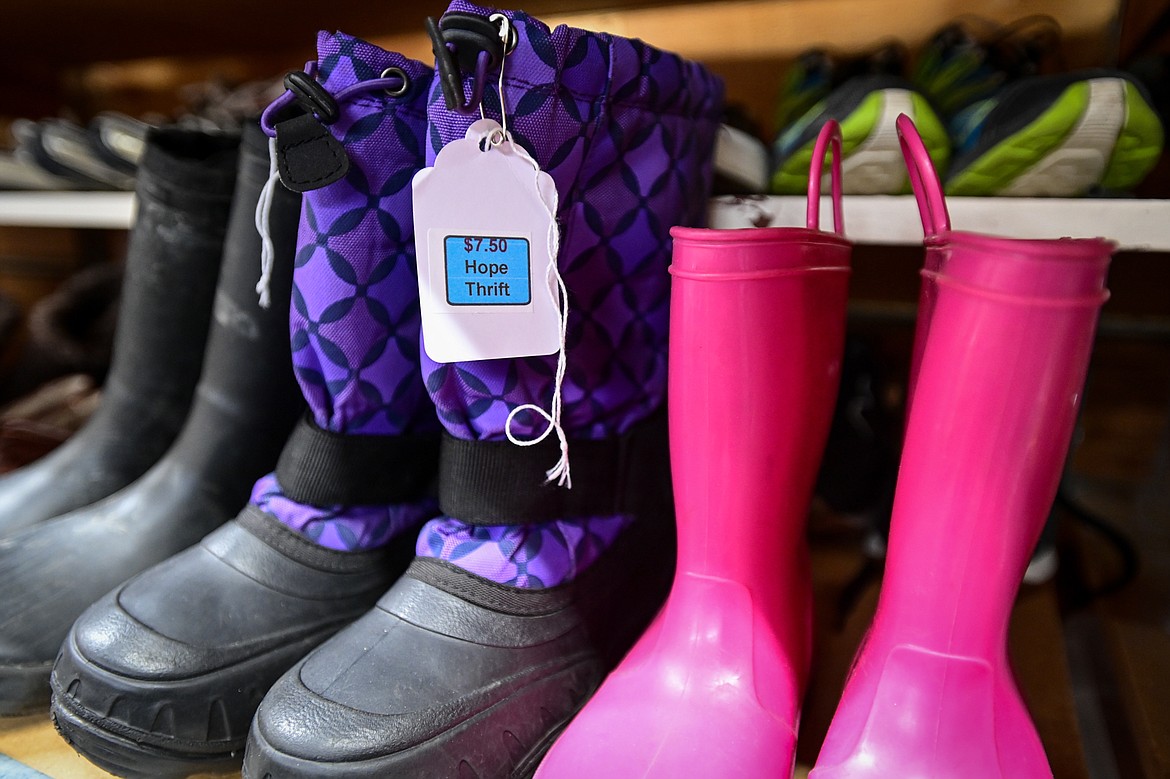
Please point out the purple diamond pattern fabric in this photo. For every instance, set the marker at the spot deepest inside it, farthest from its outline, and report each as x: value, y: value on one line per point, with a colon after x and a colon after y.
x: 355, y: 316
x: 341, y: 527
x: 529, y: 556
x: 627, y: 133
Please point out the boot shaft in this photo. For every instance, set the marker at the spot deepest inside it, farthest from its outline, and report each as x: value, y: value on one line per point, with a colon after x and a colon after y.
x: 239, y: 325
x: 247, y: 400
x: 757, y: 329
x: 355, y: 320
x: 627, y: 133
x: 1003, y: 361
x: 184, y: 197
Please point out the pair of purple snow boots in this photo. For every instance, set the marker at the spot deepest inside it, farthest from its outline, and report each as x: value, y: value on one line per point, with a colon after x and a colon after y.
x: 409, y: 594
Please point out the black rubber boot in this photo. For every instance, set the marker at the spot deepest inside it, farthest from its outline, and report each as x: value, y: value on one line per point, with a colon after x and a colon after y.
x: 184, y: 197
x: 162, y: 676
x: 453, y: 675
x: 245, y: 406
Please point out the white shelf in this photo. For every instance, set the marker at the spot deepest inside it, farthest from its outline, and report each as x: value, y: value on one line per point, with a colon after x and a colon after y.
x: 111, y: 210
x: 1136, y: 225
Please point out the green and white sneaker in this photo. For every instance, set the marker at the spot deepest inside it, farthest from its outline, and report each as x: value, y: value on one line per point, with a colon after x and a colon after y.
x: 872, y: 163
x: 1056, y: 136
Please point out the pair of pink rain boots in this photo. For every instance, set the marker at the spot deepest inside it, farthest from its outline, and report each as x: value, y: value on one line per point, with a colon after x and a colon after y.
x: 713, y: 689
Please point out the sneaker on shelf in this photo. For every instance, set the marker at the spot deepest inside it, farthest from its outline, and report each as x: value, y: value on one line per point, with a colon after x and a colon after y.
x: 865, y: 94
x: 866, y: 107
x: 39, y: 146
x: 74, y: 147
x: 816, y: 73
x: 18, y: 172
x: 972, y: 58
x: 809, y: 81
x: 741, y: 158
x: 1020, y: 129
x: 121, y: 139
x: 1063, y: 135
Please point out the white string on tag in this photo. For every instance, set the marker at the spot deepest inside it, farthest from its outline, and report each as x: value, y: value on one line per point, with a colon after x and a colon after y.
x: 263, y: 216
x: 505, y: 34
x: 560, y: 472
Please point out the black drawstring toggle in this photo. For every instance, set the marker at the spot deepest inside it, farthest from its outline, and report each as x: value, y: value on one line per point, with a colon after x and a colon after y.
x: 465, y: 44
x: 311, y: 96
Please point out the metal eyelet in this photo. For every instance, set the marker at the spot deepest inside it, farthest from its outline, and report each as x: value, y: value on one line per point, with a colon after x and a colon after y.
x: 392, y: 72
x: 513, y: 36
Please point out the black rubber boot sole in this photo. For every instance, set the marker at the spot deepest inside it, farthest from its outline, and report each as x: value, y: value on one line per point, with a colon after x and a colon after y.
x: 130, y: 697
x: 122, y: 756
x: 131, y: 752
x: 452, y: 675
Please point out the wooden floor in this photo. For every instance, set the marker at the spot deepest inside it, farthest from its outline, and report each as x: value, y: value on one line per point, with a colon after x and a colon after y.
x: 1119, y: 643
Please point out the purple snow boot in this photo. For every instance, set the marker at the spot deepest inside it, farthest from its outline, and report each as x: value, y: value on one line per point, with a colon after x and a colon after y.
x: 524, y: 593
x: 203, y: 635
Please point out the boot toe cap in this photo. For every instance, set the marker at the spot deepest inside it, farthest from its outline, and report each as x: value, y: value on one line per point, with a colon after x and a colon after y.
x: 400, y: 698
x: 180, y: 656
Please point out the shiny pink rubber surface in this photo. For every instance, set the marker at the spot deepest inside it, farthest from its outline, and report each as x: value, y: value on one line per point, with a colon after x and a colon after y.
x: 713, y: 689
x: 1002, y: 346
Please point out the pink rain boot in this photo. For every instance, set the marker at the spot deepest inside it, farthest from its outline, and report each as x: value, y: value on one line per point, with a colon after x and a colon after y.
x: 995, y: 389
x: 713, y: 688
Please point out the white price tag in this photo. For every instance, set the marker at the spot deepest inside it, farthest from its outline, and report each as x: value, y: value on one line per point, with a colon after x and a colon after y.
x: 486, y: 239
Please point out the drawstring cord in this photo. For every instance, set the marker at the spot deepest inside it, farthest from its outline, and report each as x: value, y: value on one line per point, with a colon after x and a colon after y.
x: 393, y: 81
x: 560, y: 293
x: 263, y: 214
x: 560, y: 472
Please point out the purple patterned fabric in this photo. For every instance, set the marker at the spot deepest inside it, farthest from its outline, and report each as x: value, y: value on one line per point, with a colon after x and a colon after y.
x: 529, y: 556
x: 627, y: 133
x: 342, y: 527
x: 355, y: 315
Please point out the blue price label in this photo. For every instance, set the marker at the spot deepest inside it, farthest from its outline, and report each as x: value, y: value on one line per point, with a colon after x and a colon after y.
x: 487, y: 271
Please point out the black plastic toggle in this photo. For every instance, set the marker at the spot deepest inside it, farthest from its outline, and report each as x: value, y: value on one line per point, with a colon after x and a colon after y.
x: 464, y: 44
x: 312, y: 96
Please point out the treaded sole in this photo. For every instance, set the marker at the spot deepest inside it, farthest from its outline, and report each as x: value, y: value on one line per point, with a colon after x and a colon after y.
x: 872, y: 161
x: 124, y: 757
x: 1098, y: 131
x: 1139, y: 145
x: 525, y: 769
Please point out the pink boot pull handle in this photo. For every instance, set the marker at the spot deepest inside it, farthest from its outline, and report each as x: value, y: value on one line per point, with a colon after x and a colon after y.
x: 830, y: 135
x: 932, y: 207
